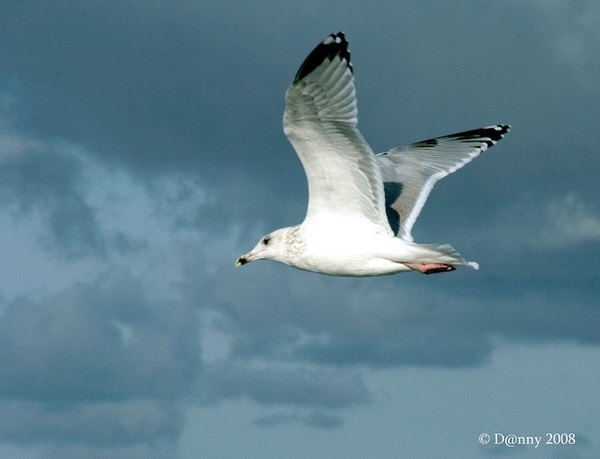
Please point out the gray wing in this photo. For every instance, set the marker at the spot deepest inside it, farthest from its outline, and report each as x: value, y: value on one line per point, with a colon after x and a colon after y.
x: 320, y: 121
x: 410, y: 172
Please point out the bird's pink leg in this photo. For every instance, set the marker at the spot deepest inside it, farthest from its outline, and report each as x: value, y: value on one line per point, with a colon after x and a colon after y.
x: 430, y: 268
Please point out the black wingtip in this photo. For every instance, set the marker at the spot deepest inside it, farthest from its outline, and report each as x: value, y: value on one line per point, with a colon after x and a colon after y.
x: 493, y: 133
x: 334, y: 45
x: 490, y: 135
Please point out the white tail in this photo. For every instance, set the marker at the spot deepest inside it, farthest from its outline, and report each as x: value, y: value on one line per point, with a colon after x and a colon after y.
x: 445, y: 253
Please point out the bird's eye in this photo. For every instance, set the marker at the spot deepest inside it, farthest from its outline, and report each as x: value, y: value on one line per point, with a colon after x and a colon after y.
x: 266, y: 240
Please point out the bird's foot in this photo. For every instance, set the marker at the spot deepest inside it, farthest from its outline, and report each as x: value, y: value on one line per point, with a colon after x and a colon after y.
x: 430, y: 268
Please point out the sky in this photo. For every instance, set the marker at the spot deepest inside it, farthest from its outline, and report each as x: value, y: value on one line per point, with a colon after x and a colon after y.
x: 142, y: 151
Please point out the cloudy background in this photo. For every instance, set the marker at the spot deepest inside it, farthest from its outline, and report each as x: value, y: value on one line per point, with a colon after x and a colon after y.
x: 141, y: 152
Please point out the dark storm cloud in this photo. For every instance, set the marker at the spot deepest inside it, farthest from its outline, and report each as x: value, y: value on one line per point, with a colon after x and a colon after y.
x: 96, y: 424
x: 45, y: 182
x: 79, y: 451
x: 272, y: 386
x: 40, y: 180
x: 96, y: 365
x: 74, y: 346
x: 151, y: 83
x: 316, y: 418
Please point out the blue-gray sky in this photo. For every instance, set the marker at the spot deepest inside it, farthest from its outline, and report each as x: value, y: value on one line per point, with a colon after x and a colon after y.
x: 141, y: 152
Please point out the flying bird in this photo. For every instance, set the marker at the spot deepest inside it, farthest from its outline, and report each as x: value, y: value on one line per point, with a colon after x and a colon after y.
x: 361, y: 206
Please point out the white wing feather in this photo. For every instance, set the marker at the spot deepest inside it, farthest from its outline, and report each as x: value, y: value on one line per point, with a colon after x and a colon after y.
x: 320, y: 121
x: 410, y: 172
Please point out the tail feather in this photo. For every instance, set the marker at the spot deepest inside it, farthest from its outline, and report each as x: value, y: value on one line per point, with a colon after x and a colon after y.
x: 445, y: 253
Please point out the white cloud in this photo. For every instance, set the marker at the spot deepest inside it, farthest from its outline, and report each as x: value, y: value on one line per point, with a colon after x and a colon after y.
x: 535, y: 223
x: 570, y: 221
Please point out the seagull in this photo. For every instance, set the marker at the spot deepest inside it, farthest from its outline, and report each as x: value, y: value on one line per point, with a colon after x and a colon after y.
x: 361, y: 206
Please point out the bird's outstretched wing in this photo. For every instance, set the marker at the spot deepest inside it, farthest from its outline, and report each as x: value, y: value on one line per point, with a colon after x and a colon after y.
x: 410, y: 172
x: 320, y: 121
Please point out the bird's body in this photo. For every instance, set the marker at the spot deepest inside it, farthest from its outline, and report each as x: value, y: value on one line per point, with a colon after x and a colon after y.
x: 325, y: 248
x: 361, y: 206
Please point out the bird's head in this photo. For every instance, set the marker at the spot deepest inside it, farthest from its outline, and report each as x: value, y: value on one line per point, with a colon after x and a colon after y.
x: 270, y: 247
